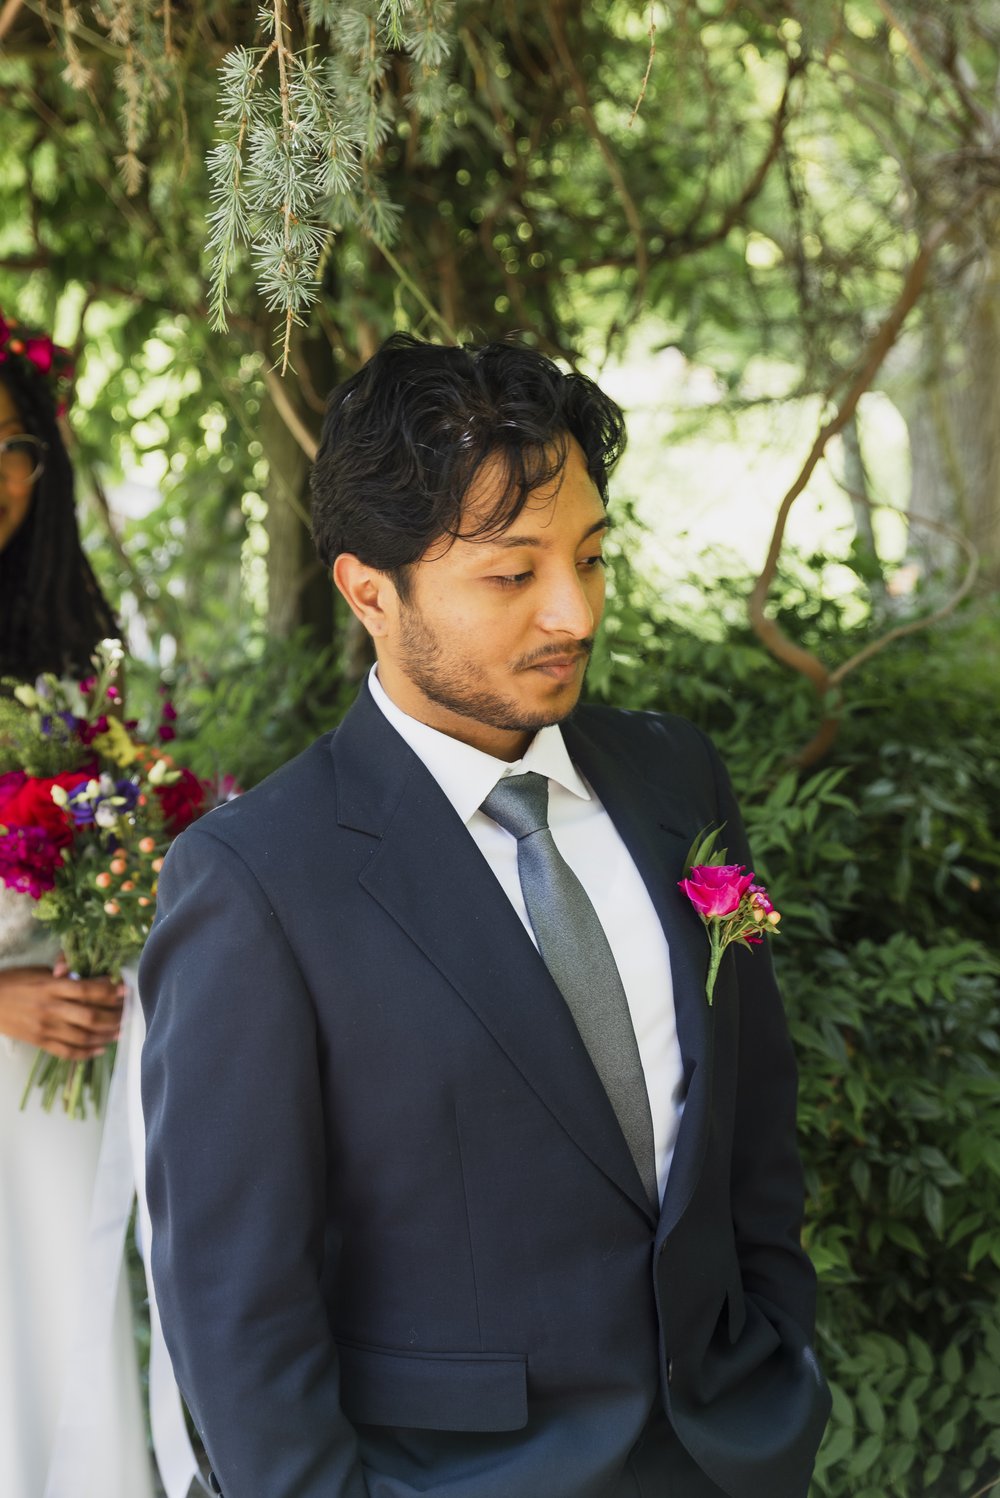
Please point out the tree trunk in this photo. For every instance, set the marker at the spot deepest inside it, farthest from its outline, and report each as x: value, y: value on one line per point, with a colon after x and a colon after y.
x: 299, y: 589
x: 951, y: 405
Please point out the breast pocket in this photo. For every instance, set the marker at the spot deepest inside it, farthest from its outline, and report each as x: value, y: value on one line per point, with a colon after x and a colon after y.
x: 433, y: 1391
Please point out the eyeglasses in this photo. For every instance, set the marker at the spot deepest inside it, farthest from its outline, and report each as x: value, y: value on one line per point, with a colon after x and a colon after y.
x: 22, y: 458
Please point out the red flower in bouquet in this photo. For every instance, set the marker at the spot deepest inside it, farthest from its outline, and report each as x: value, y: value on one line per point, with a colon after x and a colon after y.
x: 32, y: 804
x: 10, y: 784
x: 732, y: 907
x: 33, y: 830
x: 182, y: 801
x: 86, y: 814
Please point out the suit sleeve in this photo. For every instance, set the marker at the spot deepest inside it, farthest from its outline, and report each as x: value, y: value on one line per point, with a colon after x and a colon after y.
x: 767, y: 1184
x: 236, y: 1181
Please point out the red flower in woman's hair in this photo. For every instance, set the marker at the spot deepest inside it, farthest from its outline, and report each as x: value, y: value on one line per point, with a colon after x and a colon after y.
x: 41, y: 352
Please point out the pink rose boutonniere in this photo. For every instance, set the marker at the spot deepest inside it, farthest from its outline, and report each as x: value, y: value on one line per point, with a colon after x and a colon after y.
x: 732, y: 907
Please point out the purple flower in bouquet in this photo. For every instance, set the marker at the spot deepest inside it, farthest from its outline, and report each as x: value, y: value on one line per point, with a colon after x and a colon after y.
x: 88, y: 732
x: 102, y: 802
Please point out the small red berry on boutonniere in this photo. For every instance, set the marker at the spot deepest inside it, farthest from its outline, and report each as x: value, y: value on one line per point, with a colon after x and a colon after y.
x: 732, y: 907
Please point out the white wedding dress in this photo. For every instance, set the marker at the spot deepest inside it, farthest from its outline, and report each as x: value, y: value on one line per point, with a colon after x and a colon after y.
x: 47, y: 1169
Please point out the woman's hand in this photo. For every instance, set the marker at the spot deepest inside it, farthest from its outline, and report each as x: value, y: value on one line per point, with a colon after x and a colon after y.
x: 75, y: 1018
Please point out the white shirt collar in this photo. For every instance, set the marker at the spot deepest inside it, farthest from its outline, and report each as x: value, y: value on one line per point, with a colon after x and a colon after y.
x: 467, y: 775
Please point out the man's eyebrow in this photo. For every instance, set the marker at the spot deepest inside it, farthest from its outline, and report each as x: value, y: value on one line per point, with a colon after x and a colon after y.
x: 12, y: 421
x: 510, y: 543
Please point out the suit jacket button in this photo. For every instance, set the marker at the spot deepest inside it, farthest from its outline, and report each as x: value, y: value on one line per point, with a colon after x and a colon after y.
x: 670, y: 1370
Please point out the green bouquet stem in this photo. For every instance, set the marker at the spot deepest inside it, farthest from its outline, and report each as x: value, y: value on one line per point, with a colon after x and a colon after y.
x: 82, y: 1086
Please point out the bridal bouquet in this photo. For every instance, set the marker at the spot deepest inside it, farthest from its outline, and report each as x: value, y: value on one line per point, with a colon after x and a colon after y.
x: 87, y: 811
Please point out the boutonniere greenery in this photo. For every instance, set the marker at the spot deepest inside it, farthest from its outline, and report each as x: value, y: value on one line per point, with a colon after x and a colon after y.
x: 732, y: 907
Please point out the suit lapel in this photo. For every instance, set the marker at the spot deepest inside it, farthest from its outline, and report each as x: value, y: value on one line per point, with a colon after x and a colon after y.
x: 428, y: 875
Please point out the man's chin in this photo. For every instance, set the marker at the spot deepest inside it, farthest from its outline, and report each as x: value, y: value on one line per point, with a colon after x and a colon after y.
x: 561, y: 706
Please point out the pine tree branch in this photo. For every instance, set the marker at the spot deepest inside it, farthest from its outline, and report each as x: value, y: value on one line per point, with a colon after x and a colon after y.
x: 53, y: 18
x: 284, y: 56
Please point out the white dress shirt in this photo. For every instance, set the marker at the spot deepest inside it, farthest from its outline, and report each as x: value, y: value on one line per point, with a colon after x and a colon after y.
x: 589, y: 842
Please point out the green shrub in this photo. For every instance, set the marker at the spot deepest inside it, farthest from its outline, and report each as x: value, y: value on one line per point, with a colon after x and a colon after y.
x: 884, y: 861
x: 244, y: 715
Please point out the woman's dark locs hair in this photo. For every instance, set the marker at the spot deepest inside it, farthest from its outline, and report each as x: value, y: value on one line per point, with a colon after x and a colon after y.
x: 52, y: 611
x: 404, y: 438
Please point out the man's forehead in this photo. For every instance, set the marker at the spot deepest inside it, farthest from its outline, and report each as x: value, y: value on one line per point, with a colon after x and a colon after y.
x: 567, y: 479
x: 523, y: 531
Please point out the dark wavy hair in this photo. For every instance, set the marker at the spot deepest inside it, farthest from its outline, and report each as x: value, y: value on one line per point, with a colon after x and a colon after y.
x: 52, y: 611
x: 404, y: 438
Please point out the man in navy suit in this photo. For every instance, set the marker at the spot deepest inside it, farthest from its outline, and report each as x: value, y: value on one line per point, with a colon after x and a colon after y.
x: 458, y: 1184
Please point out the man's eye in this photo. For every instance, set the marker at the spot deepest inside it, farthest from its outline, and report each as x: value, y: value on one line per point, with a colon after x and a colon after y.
x: 514, y: 580
x: 592, y: 563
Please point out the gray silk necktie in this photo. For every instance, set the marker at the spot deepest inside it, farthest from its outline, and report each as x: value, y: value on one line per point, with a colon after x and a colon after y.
x: 575, y: 949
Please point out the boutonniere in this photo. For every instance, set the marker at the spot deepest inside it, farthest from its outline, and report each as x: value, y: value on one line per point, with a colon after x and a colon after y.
x: 732, y: 907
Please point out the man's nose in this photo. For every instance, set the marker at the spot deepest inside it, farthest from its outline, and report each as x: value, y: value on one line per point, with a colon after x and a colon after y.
x: 567, y: 608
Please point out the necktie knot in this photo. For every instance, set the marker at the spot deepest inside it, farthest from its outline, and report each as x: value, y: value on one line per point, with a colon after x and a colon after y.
x: 519, y: 803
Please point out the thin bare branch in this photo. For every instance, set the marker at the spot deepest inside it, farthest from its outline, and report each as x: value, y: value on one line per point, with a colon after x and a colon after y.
x: 26, y: 263
x: 649, y: 66
x: 407, y: 280
x: 8, y: 16
x: 755, y: 182
x: 913, y: 626
x: 159, y: 605
x: 641, y: 255
x: 878, y: 348
x: 306, y: 439
x: 919, y: 61
x: 767, y: 630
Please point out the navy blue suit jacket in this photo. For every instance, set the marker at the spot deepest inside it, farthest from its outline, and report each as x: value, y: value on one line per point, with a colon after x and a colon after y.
x: 399, y: 1242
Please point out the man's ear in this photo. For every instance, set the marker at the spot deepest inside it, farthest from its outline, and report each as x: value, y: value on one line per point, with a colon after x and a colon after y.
x: 369, y: 593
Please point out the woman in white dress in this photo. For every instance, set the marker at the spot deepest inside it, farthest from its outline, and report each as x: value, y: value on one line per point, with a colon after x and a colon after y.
x: 52, y: 614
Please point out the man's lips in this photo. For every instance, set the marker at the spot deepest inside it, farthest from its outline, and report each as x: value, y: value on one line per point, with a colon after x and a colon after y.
x: 560, y: 667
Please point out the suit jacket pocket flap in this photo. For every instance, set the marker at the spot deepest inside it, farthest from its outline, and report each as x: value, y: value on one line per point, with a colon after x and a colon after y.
x: 433, y: 1391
